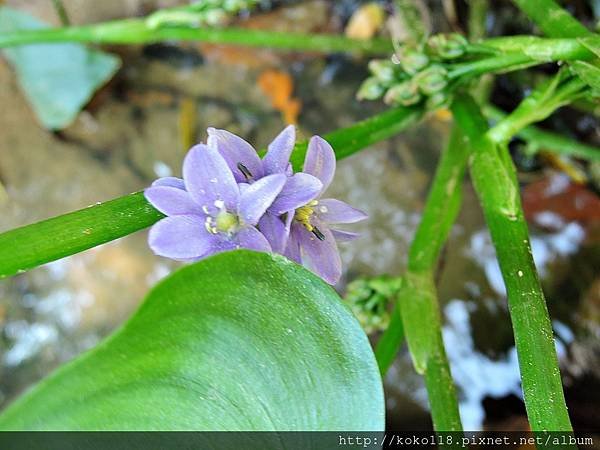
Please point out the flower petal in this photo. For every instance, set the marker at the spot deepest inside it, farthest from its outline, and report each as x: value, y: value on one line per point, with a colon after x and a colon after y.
x: 259, y: 196
x: 292, y: 249
x: 181, y: 237
x: 273, y: 228
x: 321, y: 257
x: 172, y: 201
x: 298, y: 191
x: 331, y: 210
x: 253, y: 239
x: 278, y: 154
x: 170, y: 181
x: 344, y: 236
x: 320, y: 160
x: 208, y: 178
x: 236, y: 150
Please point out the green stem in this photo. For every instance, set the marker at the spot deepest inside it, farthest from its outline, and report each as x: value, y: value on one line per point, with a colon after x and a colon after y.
x: 55, y: 238
x: 412, y: 19
x: 478, y: 10
x: 418, y: 300
x: 542, y: 102
x: 137, y: 31
x: 495, y: 64
x: 494, y: 178
x: 544, y: 49
x: 551, y: 18
x: 62, y: 12
x: 549, y: 141
x: 347, y: 141
x: 32, y: 245
x: 519, y: 52
x: 390, y: 342
x: 423, y: 331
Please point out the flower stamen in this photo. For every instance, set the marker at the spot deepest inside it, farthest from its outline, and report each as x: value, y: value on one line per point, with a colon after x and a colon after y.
x: 303, y: 215
x: 245, y: 171
x: 320, y: 236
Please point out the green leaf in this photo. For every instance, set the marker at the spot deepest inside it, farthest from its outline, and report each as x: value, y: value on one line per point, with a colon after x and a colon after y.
x: 58, y: 79
x: 239, y: 341
x: 551, y: 18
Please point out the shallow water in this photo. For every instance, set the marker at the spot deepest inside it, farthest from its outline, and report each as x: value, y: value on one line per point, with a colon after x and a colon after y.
x: 132, y: 133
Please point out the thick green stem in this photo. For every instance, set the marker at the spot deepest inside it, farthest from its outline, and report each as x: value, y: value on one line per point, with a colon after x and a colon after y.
x: 55, y: 238
x: 434, y: 228
x: 518, y: 52
x: 551, y: 18
x: 418, y: 300
x: 32, y: 245
x: 495, y: 184
x: 390, y: 342
x: 478, y: 10
x: 137, y: 31
x: 544, y: 49
x: 423, y: 331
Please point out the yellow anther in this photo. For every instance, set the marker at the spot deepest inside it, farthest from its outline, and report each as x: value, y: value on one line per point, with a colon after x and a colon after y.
x: 303, y: 214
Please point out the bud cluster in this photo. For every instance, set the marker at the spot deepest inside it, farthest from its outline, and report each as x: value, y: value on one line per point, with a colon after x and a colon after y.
x: 415, y: 74
x: 370, y: 300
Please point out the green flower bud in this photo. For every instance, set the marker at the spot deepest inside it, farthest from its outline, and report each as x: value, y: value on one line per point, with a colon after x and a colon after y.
x: 405, y: 94
x: 412, y: 60
x: 370, y: 89
x: 447, y: 46
x: 382, y: 69
x: 432, y: 80
x: 371, y: 299
x: 437, y: 101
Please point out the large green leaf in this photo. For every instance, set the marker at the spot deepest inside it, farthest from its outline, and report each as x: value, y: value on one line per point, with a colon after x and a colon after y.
x: 58, y: 79
x: 239, y: 341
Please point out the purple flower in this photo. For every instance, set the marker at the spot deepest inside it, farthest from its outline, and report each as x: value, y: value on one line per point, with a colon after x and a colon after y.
x: 312, y: 239
x: 248, y: 168
x: 208, y: 212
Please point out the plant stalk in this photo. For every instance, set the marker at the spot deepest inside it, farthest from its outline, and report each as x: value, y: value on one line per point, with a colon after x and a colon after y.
x: 494, y: 179
x: 137, y: 31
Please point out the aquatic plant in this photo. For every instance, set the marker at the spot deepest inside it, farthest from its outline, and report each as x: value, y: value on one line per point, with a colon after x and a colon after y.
x: 264, y: 311
x: 231, y: 199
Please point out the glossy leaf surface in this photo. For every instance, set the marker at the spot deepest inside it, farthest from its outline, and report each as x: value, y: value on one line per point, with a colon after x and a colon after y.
x: 239, y: 341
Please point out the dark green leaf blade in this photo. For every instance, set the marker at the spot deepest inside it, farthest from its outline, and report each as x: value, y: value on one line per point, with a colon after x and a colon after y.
x: 239, y: 341
x: 58, y: 79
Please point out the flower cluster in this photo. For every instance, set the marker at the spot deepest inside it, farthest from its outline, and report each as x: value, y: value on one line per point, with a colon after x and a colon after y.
x: 370, y: 300
x: 230, y: 198
x: 415, y: 74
